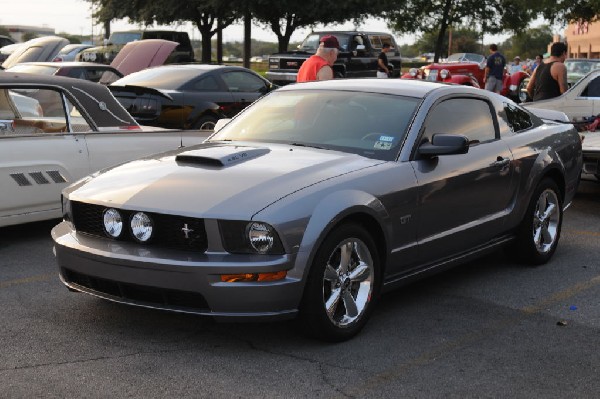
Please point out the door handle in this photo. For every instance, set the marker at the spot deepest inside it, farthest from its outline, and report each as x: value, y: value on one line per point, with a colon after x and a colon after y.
x: 501, y: 162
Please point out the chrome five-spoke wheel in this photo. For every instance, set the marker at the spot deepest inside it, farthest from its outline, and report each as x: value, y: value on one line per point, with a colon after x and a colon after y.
x: 348, y: 282
x: 546, y: 221
x: 343, y: 284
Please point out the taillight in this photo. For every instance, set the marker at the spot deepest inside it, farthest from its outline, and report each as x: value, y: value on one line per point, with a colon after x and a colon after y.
x: 130, y: 127
x: 57, y: 59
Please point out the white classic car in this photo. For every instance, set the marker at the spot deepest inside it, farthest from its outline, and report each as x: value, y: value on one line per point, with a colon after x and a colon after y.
x: 580, y: 102
x: 54, y: 131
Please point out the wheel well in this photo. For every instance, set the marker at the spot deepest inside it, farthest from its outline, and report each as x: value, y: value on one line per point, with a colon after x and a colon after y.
x: 374, y: 228
x: 558, y: 178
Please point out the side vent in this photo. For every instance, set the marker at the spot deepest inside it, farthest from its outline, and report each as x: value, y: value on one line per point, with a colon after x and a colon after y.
x: 39, y: 178
x: 56, y: 176
x: 20, y: 179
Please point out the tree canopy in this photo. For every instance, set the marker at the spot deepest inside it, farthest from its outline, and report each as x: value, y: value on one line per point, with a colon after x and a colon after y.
x: 426, y: 16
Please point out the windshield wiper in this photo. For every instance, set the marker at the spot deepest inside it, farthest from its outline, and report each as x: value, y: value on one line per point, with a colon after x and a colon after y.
x: 307, y: 145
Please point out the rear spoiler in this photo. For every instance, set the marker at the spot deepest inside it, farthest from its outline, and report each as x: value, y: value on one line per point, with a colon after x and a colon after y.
x: 138, y: 90
x: 550, y: 115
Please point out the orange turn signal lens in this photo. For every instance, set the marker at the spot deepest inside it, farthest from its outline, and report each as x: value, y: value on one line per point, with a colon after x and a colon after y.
x: 249, y: 277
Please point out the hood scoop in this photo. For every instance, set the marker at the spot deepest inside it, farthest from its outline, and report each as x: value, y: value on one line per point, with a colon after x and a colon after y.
x: 221, y: 155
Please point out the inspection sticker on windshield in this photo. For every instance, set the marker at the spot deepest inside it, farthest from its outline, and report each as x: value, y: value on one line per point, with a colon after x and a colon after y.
x: 382, y: 145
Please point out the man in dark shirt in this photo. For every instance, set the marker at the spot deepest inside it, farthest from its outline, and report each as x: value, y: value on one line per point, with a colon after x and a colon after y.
x: 549, y: 79
x: 382, y: 62
x: 494, y: 70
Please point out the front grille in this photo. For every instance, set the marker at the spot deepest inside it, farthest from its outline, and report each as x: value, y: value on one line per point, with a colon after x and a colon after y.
x: 170, y: 231
x: 139, y: 294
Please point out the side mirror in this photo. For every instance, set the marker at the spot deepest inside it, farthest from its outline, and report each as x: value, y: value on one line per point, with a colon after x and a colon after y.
x: 444, y: 144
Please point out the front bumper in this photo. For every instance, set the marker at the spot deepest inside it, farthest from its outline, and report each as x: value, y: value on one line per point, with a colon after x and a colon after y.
x: 175, y: 280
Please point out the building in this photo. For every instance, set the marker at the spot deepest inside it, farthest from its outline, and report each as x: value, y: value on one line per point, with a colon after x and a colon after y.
x: 583, y: 40
x: 18, y: 31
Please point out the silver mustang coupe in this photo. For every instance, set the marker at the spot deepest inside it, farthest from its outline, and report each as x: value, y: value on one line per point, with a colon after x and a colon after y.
x: 318, y: 198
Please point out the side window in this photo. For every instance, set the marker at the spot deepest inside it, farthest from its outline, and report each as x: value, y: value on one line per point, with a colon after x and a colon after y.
x: 592, y: 89
x: 243, y: 82
x: 467, y: 116
x: 208, y: 83
x: 35, y: 111
x: 517, y: 118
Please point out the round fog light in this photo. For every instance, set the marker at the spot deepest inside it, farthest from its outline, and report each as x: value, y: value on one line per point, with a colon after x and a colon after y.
x: 141, y: 226
x: 261, y: 237
x: 113, y: 224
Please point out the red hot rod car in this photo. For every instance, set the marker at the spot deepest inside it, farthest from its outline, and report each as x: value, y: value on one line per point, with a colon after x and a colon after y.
x: 467, y: 69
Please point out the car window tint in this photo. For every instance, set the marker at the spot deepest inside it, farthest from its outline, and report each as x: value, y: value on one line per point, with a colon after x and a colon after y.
x: 208, y: 83
x: 238, y: 81
x: 466, y: 116
x: 518, y: 119
x: 592, y: 89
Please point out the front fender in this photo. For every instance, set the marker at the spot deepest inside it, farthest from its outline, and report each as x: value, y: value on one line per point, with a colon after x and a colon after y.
x: 330, y: 212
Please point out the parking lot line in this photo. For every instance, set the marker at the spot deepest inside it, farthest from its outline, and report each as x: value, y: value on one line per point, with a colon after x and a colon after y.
x: 26, y: 280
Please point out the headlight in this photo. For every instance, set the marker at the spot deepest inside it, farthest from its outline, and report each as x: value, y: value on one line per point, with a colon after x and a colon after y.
x: 249, y: 237
x: 141, y: 226
x: 113, y: 223
x: 413, y: 72
x: 444, y: 73
x: 260, y: 236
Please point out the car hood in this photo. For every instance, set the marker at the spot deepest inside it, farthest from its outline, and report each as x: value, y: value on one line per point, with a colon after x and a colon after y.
x: 41, y: 49
x: 216, y: 180
x: 142, y: 54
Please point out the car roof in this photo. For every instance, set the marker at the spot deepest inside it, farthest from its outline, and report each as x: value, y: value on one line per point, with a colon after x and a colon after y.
x: 95, y: 98
x: 68, y: 64
x: 351, y: 32
x: 405, y: 87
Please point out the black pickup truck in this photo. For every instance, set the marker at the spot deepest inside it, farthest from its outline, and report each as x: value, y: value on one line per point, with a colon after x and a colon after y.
x: 357, y: 57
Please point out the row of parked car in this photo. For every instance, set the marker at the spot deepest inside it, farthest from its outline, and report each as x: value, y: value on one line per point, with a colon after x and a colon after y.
x: 312, y: 202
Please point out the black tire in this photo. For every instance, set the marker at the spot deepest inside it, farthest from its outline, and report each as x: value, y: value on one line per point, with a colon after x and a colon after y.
x: 539, y: 231
x: 206, y: 122
x: 351, y: 287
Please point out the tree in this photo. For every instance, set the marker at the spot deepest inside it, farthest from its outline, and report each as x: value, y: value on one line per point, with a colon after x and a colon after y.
x: 528, y: 43
x: 283, y: 17
x: 492, y: 16
x: 29, y: 35
x: 464, y: 40
x: 568, y: 10
x: 209, y: 16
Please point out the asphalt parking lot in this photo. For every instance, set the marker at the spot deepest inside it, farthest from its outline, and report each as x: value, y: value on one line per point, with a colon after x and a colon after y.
x: 491, y: 328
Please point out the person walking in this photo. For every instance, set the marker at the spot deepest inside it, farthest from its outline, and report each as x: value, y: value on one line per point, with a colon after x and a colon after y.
x: 382, y: 62
x: 549, y: 79
x: 494, y: 70
x: 319, y: 66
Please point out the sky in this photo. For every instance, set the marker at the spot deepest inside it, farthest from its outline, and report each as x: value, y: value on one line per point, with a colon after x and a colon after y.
x: 74, y: 17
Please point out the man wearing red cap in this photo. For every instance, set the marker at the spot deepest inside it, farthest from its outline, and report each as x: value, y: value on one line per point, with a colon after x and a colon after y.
x: 318, y: 66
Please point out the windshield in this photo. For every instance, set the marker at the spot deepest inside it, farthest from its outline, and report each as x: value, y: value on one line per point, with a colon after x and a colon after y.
x: 581, y: 66
x: 368, y: 124
x: 124, y: 37
x: 466, y: 57
x: 311, y: 43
